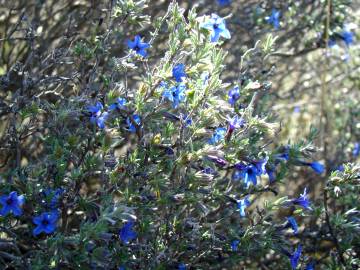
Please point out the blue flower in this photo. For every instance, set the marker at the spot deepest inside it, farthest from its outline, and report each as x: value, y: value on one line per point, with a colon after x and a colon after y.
x: 127, y: 233
x: 234, y: 95
x: 234, y: 245
x: 291, y: 223
x: 118, y: 104
x: 217, y: 27
x: 178, y: 72
x: 310, y: 266
x: 294, y: 258
x: 97, y: 116
x: 218, y: 135
x: 138, y: 46
x: 95, y: 109
x: 52, y: 197
x: 260, y: 165
x: 46, y: 222
x: 235, y: 122
x: 187, y: 120
x: 274, y: 18
x: 224, y: 2
x: 242, y: 204
x: 356, y: 150
x: 12, y: 204
x: 122, y: 268
x: 182, y: 266
x: 56, y: 197
x: 248, y: 173
x: 102, y: 119
x: 131, y: 126
x: 175, y: 94
x: 347, y: 37
x: 317, y: 167
x: 302, y: 201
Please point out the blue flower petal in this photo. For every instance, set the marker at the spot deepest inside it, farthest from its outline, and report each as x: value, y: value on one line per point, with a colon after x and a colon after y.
x: 294, y: 259
x: 317, y: 167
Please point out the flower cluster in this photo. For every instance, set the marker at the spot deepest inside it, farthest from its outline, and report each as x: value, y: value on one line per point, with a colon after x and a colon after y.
x: 274, y: 18
x: 217, y: 27
x: 12, y: 203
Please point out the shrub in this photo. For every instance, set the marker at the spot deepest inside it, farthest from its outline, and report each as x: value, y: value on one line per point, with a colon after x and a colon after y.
x: 123, y: 147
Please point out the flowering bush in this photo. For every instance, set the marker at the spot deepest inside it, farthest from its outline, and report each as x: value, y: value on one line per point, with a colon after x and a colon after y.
x: 127, y: 149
